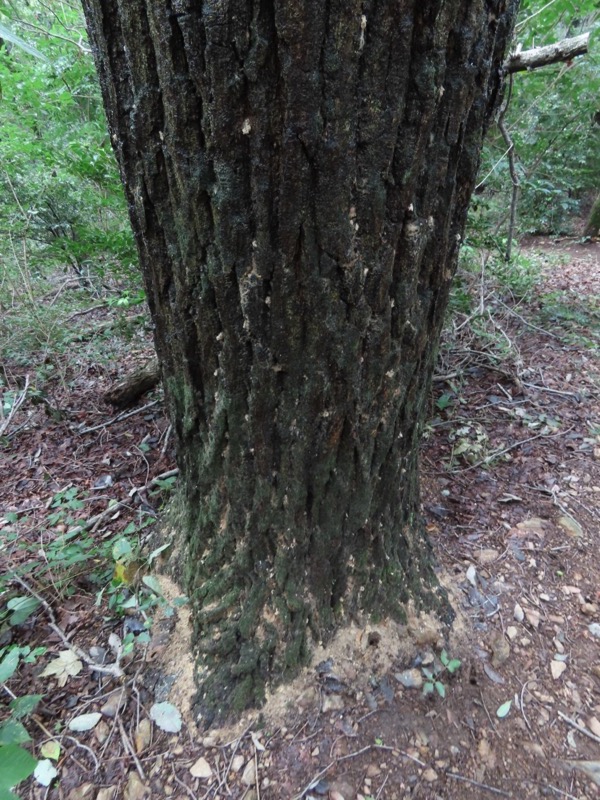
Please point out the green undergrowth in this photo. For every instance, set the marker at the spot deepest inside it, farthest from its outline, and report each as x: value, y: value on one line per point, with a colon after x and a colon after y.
x: 41, y: 569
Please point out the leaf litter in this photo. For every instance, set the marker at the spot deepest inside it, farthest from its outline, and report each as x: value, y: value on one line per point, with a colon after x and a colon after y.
x: 513, y: 536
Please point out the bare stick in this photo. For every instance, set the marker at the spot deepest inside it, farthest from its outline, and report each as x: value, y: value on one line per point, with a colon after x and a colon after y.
x: 16, y: 404
x: 476, y: 783
x: 129, y: 748
x: 119, y: 417
x: 578, y: 727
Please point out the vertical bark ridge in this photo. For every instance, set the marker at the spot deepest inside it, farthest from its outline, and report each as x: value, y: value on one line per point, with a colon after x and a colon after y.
x: 298, y: 177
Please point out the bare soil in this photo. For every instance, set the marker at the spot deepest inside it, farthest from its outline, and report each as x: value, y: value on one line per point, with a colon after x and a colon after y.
x: 511, y: 489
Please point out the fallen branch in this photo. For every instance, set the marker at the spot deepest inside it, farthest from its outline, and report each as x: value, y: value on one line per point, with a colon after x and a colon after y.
x: 564, y: 50
x: 477, y: 783
x: 578, y: 727
x: 16, y: 404
x: 119, y: 417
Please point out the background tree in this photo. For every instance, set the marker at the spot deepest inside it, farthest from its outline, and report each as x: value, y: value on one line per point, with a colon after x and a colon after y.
x: 298, y: 176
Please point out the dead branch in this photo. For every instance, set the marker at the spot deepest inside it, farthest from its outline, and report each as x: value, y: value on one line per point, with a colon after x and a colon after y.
x: 537, y: 57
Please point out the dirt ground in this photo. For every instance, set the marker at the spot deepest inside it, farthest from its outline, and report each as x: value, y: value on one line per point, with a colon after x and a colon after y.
x: 511, y: 490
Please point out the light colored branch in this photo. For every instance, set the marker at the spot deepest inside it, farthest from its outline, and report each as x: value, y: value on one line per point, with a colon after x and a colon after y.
x: 537, y: 57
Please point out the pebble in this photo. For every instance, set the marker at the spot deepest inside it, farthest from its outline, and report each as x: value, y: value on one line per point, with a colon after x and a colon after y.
x: 410, y: 678
x: 594, y: 629
x: 430, y: 775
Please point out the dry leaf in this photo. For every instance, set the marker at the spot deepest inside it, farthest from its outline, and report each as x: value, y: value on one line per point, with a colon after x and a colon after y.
x: 65, y: 666
x: 594, y: 725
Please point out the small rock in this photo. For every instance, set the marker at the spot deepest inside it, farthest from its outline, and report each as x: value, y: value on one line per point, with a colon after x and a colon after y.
x: 237, y: 763
x: 108, y: 793
x: 333, y: 702
x: 212, y: 740
x: 410, y: 678
x: 430, y: 775
x: 101, y: 732
x: 487, y: 555
x: 249, y: 774
x: 373, y: 770
x: 533, y: 617
x: 500, y: 650
x: 135, y: 789
x: 201, y: 769
x: 143, y: 735
x: 557, y: 668
x: 518, y: 613
x: 81, y: 792
x: 594, y: 725
x: 589, y: 609
x: 341, y: 790
x: 512, y: 632
x: 594, y: 629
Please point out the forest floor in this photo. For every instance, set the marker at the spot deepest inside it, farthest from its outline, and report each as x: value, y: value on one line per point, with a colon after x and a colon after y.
x: 511, y: 490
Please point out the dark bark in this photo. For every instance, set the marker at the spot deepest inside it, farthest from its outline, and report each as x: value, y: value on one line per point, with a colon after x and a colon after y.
x: 298, y: 177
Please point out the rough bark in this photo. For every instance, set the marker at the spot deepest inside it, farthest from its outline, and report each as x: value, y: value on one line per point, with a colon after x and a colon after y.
x: 298, y: 177
x: 592, y: 225
x: 565, y: 50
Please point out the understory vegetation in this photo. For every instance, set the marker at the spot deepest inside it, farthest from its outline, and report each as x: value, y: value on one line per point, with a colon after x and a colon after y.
x: 72, y: 305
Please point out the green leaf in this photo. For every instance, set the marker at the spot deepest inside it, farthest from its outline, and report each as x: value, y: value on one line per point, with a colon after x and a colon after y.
x: 440, y: 688
x: 16, y: 764
x: 22, y: 706
x: 152, y: 583
x: 428, y: 687
x: 8, y: 665
x: 444, y: 658
x: 122, y: 550
x: 51, y: 750
x: 6, y: 33
x: 13, y: 732
x: 504, y: 709
x: 22, y: 608
x: 453, y: 665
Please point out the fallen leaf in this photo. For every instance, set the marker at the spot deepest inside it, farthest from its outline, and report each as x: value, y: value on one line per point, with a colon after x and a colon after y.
x: 166, y: 716
x: 51, y: 750
x: 143, y: 736
x: 472, y: 575
x: 45, y: 772
x: 65, y: 666
x: 85, y: 722
x: 135, y: 789
x: 504, y: 709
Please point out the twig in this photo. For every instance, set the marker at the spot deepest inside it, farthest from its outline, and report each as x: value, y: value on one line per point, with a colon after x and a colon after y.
x: 85, y: 311
x: 256, y: 778
x: 523, y: 705
x: 578, y: 727
x: 380, y: 790
x: 16, y: 404
x: 356, y: 753
x: 119, y: 417
x: 512, y: 170
x: 550, y: 391
x: 111, y: 669
x: 129, y: 748
x: 184, y: 785
x: 477, y: 783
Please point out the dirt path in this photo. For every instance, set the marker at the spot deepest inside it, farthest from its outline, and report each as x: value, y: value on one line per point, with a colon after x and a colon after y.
x: 511, y: 472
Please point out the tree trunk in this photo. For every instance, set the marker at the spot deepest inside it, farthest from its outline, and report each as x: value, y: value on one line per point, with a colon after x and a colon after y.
x: 592, y: 225
x: 298, y: 175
